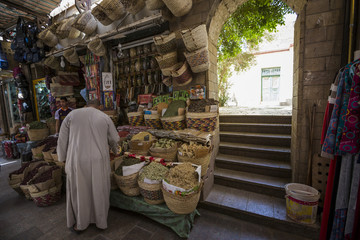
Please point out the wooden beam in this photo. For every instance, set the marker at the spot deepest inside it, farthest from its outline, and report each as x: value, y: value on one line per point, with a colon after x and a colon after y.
x: 22, y: 8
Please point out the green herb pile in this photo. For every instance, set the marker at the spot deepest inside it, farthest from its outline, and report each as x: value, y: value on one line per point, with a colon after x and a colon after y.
x: 165, y: 143
x: 50, y: 120
x: 172, y: 110
x: 37, y: 125
x: 127, y: 161
x: 154, y: 171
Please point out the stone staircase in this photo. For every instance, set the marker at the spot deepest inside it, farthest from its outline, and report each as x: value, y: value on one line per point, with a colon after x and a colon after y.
x: 251, y: 169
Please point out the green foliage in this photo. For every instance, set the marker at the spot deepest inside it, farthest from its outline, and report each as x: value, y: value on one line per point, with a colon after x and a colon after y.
x: 246, y: 28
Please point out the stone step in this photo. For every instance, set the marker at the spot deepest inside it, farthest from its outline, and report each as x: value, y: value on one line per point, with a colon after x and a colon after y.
x: 256, y: 208
x: 254, y: 165
x: 256, y: 127
x: 272, y: 186
x: 255, y: 151
x: 255, y: 119
x: 267, y: 139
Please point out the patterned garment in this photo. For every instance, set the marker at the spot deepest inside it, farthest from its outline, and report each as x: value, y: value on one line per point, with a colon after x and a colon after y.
x: 338, y: 228
x: 350, y: 141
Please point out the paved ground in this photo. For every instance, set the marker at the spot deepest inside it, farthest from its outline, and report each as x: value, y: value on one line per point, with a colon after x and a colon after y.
x: 258, y: 110
x: 20, y: 219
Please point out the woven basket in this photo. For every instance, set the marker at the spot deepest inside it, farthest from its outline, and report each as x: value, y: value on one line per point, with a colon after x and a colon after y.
x: 195, y: 38
x: 154, y: 4
x: 99, y: 14
x: 49, y: 38
x: 37, y: 134
x: 168, y: 154
x: 64, y: 28
x: 62, y: 165
x: 47, y: 155
x: 52, y: 127
x: 113, y: 9
x: 128, y: 184
x: 165, y: 43
x: 53, y: 27
x: 71, y: 55
x: 167, y: 60
x: 133, y: 6
x: 198, y: 60
x: 153, y: 121
x: 140, y: 145
x: 37, y: 150
x: 52, y: 62
x: 203, y: 161
x: 182, y: 204
x: 97, y: 47
x: 151, y: 192
x: 47, y: 197
x: 182, y: 75
x: 174, y: 123
x: 16, y: 187
x: 179, y: 7
x: 136, y: 119
x: 204, y: 122
x: 26, y: 192
x: 86, y: 23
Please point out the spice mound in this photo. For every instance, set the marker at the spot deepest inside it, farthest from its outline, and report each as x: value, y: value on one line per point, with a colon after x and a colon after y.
x: 127, y: 161
x: 164, y: 143
x: 183, y: 176
x: 154, y: 171
x: 193, y: 150
x: 44, y: 176
x: 143, y: 136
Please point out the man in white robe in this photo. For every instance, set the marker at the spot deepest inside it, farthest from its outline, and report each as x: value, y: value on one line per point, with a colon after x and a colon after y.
x: 84, y: 140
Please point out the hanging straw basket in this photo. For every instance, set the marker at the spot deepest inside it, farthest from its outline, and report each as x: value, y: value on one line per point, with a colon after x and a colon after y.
x: 101, y: 16
x: 53, y: 27
x: 49, y: 38
x: 165, y: 43
x: 64, y: 28
x: 113, y: 9
x: 153, y: 121
x: 168, y: 154
x: 202, y: 161
x: 182, y: 204
x: 167, y: 60
x: 97, y: 47
x: 198, y: 60
x: 151, y: 192
x: 128, y: 184
x: 167, y: 71
x: 204, y: 122
x: 71, y: 55
x: 174, y: 123
x: 37, y: 134
x: 47, y: 197
x: 86, y: 23
x: 179, y: 7
x: 154, y: 4
x: 195, y: 38
x: 133, y: 6
x: 136, y: 119
x: 182, y: 74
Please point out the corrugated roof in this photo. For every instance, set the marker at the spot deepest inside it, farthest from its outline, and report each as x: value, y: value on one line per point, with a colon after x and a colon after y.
x: 10, y: 10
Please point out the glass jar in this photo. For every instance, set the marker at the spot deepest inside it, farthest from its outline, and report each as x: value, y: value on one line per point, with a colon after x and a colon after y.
x: 137, y: 65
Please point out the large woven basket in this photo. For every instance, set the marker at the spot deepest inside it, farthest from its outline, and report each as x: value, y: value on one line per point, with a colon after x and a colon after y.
x: 52, y: 62
x: 198, y: 60
x: 195, y: 38
x: 179, y: 7
x: 165, y: 43
x: 37, y: 134
x: 154, y: 4
x: 203, y: 162
x: 182, y: 74
x: 182, y: 204
x: 47, y: 155
x: 113, y: 9
x: 204, y: 122
x: 97, y: 47
x: 71, y: 55
x: 167, y: 60
x: 128, y: 184
x: 133, y: 6
x: 47, y: 197
x: 168, y: 154
x: 151, y: 192
x: 140, y: 145
x: 86, y: 23
x: 63, y: 30
x: 101, y: 16
x: 16, y: 187
x: 174, y: 123
x: 136, y: 119
x: 153, y: 121
x: 48, y: 37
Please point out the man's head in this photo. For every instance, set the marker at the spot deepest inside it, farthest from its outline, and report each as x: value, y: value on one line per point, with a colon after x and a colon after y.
x: 94, y: 103
x: 63, y: 102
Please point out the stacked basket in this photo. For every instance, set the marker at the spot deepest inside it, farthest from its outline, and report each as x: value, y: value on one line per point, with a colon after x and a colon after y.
x: 136, y: 119
x: 204, y: 122
x: 153, y: 121
x: 174, y: 123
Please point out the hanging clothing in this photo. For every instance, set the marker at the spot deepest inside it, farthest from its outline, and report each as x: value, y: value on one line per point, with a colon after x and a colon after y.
x: 83, y: 143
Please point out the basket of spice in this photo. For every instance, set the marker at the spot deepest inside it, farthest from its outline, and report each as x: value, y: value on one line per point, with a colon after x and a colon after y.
x: 153, y: 121
x: 37, y: 131
x: 174, y: 118
x: 31, y: 174
x: 54, y: 155
x: 51, y: 143
x: 165, y: 148
x: 136, y: 118
x: 182, y: 187
x: 195, y: 153
x: 126, y: 175
x: 149, y: 181
x: 198, y: 116
x: 141, y: 143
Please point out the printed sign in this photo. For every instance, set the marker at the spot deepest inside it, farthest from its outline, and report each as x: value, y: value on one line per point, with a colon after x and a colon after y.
x: 107, y: 81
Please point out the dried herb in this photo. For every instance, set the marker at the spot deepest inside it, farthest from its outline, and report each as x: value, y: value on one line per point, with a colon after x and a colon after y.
x: 22, y: 169
x: 32, y: 173
x: 127, y: 161
x: 37, y: 125
x: 165, y: 143
x: 183, y: 176
x: 47, y: 175
x: 200, y: 105
x: 153, y: 171
x: 173, y: 109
